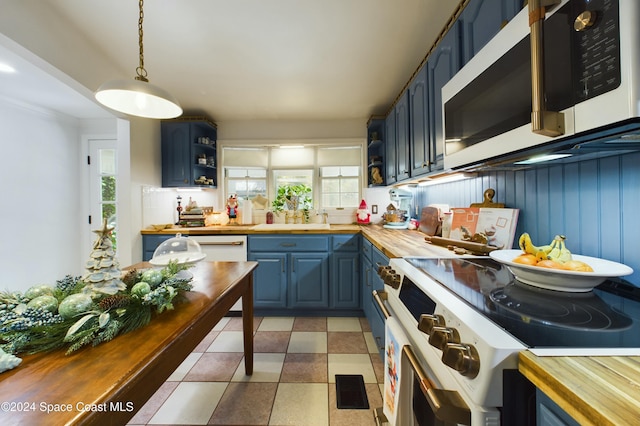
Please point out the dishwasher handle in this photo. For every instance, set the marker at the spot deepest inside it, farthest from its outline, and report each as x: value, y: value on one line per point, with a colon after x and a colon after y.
x: 221, y: 243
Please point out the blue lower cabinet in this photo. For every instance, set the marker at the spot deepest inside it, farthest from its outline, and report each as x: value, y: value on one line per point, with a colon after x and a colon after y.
x: 309, y: 280
x: 548, y: 413
x: 270, y: 280
x: 306, y: 274
x: 345, y: 280
x: 150, y: 243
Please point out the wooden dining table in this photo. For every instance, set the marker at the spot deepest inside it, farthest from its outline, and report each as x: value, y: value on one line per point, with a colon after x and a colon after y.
x: 107, y: 384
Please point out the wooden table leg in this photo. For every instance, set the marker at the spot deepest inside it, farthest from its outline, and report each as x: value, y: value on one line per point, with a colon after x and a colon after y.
x: 247, y: 325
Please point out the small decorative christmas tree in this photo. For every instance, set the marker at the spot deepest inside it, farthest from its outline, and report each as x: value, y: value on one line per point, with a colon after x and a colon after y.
x: 103, y: 271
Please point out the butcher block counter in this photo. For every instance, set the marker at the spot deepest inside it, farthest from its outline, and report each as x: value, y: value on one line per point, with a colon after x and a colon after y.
x: 593, y: 390
x: 392, y: 242
x: 107, y: 384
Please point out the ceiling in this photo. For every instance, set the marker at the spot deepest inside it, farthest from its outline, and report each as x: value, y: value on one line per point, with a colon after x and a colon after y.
x: 263, y: 59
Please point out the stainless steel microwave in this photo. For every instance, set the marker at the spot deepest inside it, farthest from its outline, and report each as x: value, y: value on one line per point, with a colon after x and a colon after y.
x: 552, y: 74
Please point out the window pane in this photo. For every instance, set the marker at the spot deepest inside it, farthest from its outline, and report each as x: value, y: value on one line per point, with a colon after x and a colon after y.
x: 107, y: 161
x: 236, y: 173
x: 330, y: 200
x: 257, y: 173
x: 330, y: 185
x: 349, y: 199
x: 349, y: 185
x: 330, y: 171
x: 108, y: 190
x: 350, y: 171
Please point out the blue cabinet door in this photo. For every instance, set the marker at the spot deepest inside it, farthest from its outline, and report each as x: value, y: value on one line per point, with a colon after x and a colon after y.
x: 309, y: 280
x: 402, y: 137
x: 391, y: 163
x: 419, y: 124
x: 345, y: 281
x: 481, y: 20
x: 150, y: 243
x: 176, y: 155
x: 443, y: 63
x: 270, y: 280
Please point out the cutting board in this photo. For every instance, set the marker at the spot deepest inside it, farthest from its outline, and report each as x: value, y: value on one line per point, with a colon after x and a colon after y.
x: 430, y: 221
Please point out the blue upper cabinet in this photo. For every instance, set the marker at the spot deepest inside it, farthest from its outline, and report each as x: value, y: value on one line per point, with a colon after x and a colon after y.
x: 443, y: 63
x: 419, y: 120
x: 188, y: 153
x: 376, y: 151
x: 402, y: 137
x: 391, y: 173
x: 481, y: 20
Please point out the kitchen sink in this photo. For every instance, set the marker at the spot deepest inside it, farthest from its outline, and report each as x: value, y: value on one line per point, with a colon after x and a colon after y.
x: 291, y: 227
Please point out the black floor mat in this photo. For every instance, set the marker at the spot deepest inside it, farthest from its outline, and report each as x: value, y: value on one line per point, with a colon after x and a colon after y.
x: 350, y: 392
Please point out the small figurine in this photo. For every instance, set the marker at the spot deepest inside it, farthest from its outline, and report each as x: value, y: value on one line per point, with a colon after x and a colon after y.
x: 232, y: 209
x: 376, y: 177
x: 362, y: 214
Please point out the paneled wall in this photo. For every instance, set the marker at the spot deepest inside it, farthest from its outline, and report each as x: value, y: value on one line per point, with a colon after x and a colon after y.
x: 595, y: 204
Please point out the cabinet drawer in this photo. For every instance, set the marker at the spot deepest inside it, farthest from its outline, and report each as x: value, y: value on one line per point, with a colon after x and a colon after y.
x: 345, y: 242
x: 378, y: 258
x: 367, y: 249
x: 283, y: 243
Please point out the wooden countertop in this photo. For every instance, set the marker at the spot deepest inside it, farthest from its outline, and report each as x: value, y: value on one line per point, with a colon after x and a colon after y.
x: 116, y: 378
x: 247, y: 230
x: 593, y: 390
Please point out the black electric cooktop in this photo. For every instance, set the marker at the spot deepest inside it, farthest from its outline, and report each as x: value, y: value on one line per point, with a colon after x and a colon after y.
x: 606, y: 317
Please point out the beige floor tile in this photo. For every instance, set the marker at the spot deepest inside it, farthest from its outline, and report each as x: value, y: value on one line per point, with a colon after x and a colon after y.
x: 364, y: 324
x: 235, y: 324
x: 266, y: 368
x: 245, y: 404
x: 276, y: 324
x: 144, y: 414
x: 351, y: 364
x: 378, y: 367
x: 184, y: 368
x: 227, y: 341
x: 206, y: 342
x: 343, y: 324
x: 191, y: 403
x: 301, y: 404
x: 307, y: 342
x: 372, y: 347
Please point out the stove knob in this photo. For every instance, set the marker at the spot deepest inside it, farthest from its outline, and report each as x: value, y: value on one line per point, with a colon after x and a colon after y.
x: 440, y: 336
x: 428, y: 321
x: 392, y: 280
x: 383, y: 271
x: 463, y: 358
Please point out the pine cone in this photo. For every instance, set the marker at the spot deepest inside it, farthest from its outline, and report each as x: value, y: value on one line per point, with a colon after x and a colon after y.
x: 113, y: 302
x: 130, y: 278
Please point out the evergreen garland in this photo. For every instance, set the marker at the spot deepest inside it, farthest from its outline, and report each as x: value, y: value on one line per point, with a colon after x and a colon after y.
x: 27, y: 328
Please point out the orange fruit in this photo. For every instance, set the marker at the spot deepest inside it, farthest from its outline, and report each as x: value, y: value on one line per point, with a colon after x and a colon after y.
x: 526, y: 259
x: 576, y: 265
x: 551, y: 264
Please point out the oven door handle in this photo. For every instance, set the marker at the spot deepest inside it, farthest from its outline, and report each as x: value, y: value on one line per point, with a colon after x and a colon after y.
x: 446, y: 405
x: 543, y: 122
x: 380, y: 296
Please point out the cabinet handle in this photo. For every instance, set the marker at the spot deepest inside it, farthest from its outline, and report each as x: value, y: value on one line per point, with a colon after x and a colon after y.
x: 287, y: 244
x: 228, y: 243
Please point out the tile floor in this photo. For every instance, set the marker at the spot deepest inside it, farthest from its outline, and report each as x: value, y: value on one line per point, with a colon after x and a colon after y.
x: 293, y: 383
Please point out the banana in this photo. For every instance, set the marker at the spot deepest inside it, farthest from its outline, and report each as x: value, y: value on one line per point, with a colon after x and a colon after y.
x: 526, y: 245
x: 565, y: 254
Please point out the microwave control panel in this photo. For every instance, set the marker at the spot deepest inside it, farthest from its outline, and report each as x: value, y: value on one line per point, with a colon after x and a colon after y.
x: 596, y: 47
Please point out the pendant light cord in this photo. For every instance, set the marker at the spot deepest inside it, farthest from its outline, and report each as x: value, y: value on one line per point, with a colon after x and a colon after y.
x: 142, y: 73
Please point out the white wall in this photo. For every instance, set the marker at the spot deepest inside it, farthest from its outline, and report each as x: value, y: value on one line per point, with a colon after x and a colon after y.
x: 40, y: 213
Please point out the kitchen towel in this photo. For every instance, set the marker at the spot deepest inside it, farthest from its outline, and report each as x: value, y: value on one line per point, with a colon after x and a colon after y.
x: 395, y: 340
x: 247, y: 212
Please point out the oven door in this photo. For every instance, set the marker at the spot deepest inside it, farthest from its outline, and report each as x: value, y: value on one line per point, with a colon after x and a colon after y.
x: 423, y: 402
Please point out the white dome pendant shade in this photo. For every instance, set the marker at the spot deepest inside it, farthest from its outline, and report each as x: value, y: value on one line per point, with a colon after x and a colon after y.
x: 138, y: 97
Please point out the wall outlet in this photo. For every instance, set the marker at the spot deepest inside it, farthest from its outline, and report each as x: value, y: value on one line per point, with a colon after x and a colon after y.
x: 374, y: 209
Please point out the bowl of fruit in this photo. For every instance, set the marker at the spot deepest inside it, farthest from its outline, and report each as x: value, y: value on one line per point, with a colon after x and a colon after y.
x: 554, y: 267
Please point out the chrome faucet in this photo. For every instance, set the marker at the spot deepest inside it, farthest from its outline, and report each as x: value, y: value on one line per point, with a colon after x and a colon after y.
x: 325, y: 216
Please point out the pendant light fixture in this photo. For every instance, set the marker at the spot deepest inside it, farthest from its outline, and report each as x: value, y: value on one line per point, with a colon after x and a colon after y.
x: 138, y: 97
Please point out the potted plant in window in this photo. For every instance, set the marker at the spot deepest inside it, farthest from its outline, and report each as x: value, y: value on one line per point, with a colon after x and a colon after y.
x: 294, y: 200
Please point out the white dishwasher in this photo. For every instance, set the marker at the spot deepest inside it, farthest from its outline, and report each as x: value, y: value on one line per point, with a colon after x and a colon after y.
x: 231, y: 248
